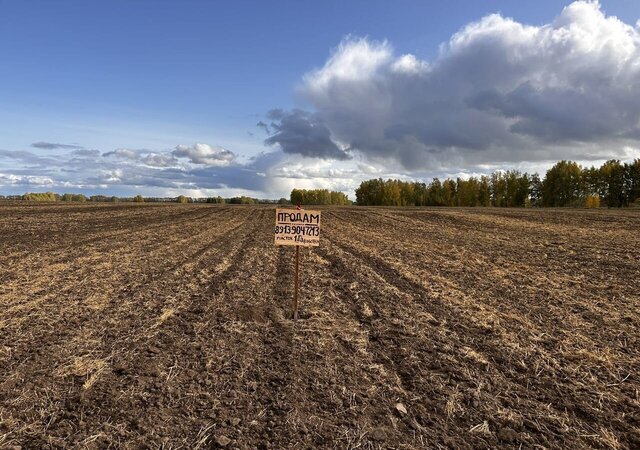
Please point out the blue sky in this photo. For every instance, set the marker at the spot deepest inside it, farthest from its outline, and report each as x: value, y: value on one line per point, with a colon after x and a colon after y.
x: 150, y: 76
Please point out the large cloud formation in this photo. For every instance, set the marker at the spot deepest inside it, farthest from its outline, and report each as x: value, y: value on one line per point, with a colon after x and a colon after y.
x: 499, y: 92
x: 300, y: 132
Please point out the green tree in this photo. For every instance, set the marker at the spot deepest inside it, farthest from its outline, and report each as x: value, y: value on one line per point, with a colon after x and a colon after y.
x: 562, y: 185
x: 535, y: 190
x: 612, y: 184
x: 391, y: 193
x: 591, y: 182
x: 435, y: 193
x: 467, y: 192
x: 634, y: 181
x: 517, y: 187
x: 318, y: 197
x: 41, y: 197
x: 73, y: 198
x: 498, y: 189
x: 484, y: 191
x: 297, y: 197
x: 420, y: 194
x: 449, y: 192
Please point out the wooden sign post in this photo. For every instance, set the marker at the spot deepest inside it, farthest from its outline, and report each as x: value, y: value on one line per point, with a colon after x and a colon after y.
x: 297, y: 227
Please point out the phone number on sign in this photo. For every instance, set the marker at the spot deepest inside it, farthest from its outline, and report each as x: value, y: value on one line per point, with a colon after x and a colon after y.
x: 305, y: 230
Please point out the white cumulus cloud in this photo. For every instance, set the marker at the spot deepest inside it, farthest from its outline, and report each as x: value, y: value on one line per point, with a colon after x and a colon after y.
x: 123, y: 153
x: 205, y: 154
x: 500, y: 92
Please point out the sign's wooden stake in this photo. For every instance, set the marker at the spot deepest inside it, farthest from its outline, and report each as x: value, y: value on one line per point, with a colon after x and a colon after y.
x: 301, y: 228
x: 297, y: 284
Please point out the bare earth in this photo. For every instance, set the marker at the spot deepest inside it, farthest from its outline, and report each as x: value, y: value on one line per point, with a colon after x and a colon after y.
x: 166, y: 326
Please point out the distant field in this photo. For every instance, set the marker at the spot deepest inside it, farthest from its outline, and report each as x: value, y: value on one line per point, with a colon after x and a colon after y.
x: 167, y: 326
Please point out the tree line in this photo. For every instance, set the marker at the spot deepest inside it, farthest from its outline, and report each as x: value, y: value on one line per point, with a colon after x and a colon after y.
x: 614, y: 184
x: 52, y: 197
x: 318, y: 197
x: 55, y: 197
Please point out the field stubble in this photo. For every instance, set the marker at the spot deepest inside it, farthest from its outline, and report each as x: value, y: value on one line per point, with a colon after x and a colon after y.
x: 147, y: 326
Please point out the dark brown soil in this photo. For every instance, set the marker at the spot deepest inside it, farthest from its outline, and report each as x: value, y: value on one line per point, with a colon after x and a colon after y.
x: 166, y: 326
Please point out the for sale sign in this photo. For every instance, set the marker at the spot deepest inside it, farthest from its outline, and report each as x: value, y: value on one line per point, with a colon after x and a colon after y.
x: 297, y: 227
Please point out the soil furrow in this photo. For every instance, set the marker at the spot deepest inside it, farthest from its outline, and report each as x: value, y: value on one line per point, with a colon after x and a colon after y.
x: 169, y: 326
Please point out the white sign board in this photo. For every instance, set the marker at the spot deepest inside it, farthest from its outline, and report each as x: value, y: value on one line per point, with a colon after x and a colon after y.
x: 297, y: 227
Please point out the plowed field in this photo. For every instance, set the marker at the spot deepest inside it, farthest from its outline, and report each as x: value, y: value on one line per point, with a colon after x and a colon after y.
x: 166, y: 326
